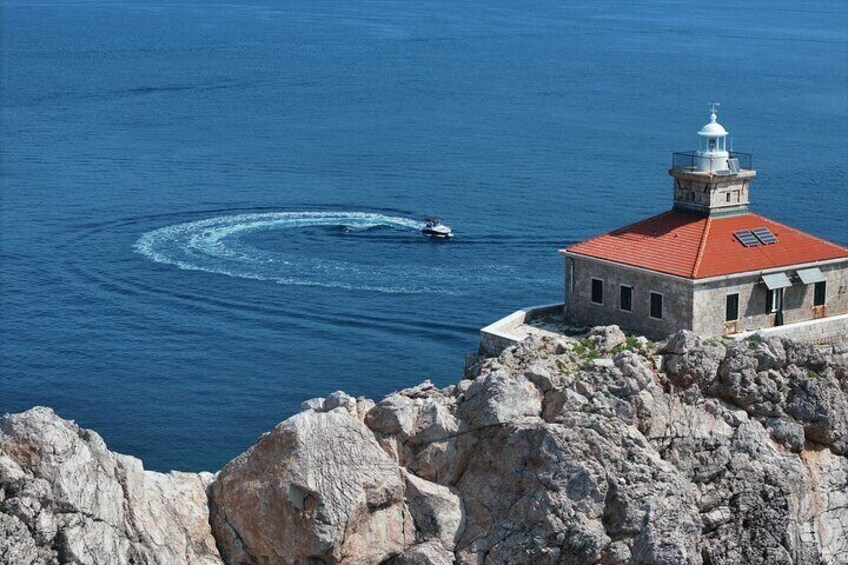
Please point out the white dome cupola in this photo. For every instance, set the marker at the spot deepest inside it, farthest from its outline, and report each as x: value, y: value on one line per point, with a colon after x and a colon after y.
x: 712, y: 151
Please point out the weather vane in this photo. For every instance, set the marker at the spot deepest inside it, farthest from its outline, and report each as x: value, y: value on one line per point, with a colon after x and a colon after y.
x: 714, y: 108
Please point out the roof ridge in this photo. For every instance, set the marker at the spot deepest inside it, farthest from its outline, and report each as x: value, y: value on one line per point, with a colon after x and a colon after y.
x: 700, y: 255
x: 798, y: 231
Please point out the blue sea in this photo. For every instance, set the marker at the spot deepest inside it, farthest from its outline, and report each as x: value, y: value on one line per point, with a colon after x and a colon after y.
x: 210, y: 210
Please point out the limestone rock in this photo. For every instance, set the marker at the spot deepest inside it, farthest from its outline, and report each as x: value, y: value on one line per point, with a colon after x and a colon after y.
x: 318, y: 487
x: 606, y: 338
x: 499, y: 398
x: 68, y: 499
x: 555, y: 453
x: 427, y: 553
x: 436, y: 509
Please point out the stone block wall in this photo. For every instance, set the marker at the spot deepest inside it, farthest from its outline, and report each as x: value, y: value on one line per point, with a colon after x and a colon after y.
x: 826, y: 330
x: 704, y: 193
x: 710, y: 301
x: 677, y: 297
x: 699, y: 306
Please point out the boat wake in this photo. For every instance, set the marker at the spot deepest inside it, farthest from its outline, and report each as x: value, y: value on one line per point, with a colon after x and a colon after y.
x: 217, y: 245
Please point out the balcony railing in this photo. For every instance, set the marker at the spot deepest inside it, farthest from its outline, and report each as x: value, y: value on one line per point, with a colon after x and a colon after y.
x: 688, y: 161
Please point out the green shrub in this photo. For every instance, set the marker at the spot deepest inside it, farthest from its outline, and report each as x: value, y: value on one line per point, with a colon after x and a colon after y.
x: 754, y: 341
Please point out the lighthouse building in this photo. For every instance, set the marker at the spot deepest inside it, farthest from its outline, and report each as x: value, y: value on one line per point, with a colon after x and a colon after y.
x: 709, y: 264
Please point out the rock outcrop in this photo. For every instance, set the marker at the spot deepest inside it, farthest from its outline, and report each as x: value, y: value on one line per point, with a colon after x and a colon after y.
x: 65, y: 498
x: 609, y: 449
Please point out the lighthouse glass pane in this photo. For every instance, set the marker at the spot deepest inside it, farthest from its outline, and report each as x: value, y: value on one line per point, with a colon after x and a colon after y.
x: 712, y: 144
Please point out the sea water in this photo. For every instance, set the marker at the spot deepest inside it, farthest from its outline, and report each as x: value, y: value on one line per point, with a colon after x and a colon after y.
x: 210, y: 210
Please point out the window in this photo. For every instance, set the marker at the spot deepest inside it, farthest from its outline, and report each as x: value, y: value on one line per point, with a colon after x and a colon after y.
x: 626, y: 298
x: 731, y: 311
x: 774, y: 302
x: 597, y: 291
x: 656, y: 305
x: 820, y: 293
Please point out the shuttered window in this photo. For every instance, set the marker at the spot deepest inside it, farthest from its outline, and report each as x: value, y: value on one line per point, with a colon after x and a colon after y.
x: 731, y: 311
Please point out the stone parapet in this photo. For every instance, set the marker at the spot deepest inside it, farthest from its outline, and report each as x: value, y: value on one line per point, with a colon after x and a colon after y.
x: 511, y: 329
x: 824, y: 330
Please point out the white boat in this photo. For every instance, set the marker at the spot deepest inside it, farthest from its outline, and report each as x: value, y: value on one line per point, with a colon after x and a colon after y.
x: 436, y: 229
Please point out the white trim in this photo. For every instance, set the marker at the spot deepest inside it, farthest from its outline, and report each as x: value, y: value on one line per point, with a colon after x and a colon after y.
x: 662, y: 304
x: 744, y: 274
x: 620, y: 286
x: 624, y: 266
x: 772, y: 296
x: 592, y: 291
x: 771, y: 270
x: 502, y: 333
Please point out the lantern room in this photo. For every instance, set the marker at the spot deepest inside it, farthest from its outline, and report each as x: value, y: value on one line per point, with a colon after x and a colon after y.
x: 712, y: 153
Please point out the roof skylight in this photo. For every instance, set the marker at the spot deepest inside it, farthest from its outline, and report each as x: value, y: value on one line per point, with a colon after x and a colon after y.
x: 755, y: 237
x: 746, y: 238
x: 764, y: 235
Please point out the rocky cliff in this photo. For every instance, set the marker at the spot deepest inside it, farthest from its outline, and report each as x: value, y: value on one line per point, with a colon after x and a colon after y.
x: 601, y: 450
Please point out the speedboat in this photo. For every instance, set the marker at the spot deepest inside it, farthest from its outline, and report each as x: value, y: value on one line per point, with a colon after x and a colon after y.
x: 436, y: 229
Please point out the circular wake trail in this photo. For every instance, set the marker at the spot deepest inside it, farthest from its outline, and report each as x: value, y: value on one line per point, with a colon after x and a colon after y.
x: 216, y: 245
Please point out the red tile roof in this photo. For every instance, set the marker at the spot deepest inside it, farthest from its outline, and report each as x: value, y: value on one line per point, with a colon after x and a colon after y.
x: 695, y: 247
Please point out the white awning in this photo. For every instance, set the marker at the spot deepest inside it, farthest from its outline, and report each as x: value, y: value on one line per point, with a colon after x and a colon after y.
x: 810, y: 276
x: 777, y: 280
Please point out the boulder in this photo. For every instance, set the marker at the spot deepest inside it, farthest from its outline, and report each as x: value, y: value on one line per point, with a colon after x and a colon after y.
x: 606, y: 338
x: 436, y: 509
x: 318, y: 487
x: 498, y: 398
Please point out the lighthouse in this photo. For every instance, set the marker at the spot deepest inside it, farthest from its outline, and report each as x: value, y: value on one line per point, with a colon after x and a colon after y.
x: 709, y: 264
x: 712, y: 181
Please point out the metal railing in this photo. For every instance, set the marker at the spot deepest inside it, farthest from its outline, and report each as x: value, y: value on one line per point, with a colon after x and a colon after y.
x: 687, y: 161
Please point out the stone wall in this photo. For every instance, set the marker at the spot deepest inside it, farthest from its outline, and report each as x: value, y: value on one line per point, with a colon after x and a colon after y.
x: 705, y: 193
x: 710, y: 301
x: 689, y: 304
x: 823, y: 331
x: 503, y: 333
x: 677, y: 297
